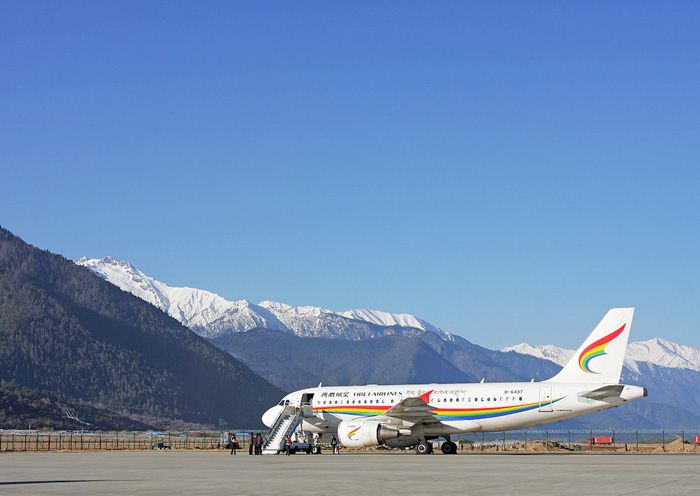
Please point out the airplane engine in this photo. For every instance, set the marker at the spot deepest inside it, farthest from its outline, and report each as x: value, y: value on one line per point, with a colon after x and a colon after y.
x: 362, y: 433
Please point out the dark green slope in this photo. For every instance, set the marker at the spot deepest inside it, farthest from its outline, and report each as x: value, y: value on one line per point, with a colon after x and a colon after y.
x: 22, y: 408
x: 493, y: 366
x: 65, y: 330
x: 294, y: 363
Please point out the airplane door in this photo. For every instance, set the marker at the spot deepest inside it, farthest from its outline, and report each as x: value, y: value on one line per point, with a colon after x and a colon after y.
x: 307, y: 404
x: 545, y: 398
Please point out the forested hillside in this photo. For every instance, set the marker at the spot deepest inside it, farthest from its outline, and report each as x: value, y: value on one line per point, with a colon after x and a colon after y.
x: 294, y: 363
x: 65, y: 330
x: 22, y: 408
x: 291, y: 362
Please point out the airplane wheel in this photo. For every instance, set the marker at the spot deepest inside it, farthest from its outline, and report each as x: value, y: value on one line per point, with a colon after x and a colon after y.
x: 424, y: 448
x: 449, y: 448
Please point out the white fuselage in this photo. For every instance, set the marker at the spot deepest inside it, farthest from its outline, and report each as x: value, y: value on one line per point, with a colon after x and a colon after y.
x: 406, y: 415
x: 460, y: 408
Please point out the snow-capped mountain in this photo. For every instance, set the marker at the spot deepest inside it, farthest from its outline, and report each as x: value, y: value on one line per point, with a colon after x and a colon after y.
x: 671, y: 372
x: 549, y: 352
x: 654, y: 351
x: 211, y: 316
x: 662, y: 353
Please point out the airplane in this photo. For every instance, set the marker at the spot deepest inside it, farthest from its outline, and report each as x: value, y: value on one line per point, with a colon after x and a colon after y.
x: 411, y: 415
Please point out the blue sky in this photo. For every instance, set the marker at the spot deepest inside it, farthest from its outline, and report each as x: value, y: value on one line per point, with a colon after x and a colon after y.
x: 507, y: 171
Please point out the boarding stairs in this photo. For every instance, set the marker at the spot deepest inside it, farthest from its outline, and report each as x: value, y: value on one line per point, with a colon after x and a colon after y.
x: 284, y: 426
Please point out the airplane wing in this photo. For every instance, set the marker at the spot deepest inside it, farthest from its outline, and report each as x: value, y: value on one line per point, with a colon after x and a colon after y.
x: 413, y: 410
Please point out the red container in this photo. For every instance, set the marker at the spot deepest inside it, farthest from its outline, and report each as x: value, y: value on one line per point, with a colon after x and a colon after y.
x: 697, y: 439
x: 601, y: 440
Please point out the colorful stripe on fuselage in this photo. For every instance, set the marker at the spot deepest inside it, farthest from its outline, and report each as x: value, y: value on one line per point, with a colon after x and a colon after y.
x: 448, y: 414
x: 445, y: 414
x: 355, y: 411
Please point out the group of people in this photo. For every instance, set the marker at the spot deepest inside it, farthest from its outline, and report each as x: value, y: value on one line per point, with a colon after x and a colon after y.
x: 255, y: 446
x: 335, y: 445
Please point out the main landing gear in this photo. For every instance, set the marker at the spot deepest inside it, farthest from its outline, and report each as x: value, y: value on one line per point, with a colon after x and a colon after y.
x: 449, y: 448
x: 425, y: 448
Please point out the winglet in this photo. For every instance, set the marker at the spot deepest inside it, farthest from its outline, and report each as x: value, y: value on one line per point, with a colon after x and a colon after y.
x: 600, y: 357
x: 426, y: 396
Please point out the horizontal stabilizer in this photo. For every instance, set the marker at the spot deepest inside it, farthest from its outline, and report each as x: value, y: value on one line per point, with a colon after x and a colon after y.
x: 604, y: 392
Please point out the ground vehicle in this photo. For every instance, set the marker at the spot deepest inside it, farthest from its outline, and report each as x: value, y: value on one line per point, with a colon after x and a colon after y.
x: 600, y: 440
x: 306, y: 447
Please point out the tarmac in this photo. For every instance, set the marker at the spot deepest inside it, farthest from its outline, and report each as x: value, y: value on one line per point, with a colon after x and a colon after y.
x: 391, y: 473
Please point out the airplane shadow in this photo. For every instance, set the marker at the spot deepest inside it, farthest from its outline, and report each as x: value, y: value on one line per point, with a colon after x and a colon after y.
x: 17, y: 483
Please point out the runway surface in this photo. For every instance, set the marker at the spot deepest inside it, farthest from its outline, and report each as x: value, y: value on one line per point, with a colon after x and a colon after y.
x: 347, y: 474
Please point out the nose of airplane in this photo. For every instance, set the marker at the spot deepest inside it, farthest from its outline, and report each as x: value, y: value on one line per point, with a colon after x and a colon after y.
x: 271, y: 415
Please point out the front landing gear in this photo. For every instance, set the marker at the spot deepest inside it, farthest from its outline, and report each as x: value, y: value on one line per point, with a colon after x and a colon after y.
x: 424, y: 448
x: 449, y: 448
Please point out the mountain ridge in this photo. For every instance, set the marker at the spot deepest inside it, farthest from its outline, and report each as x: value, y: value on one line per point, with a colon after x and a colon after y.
x: 655, y: 351
x: 665, y: 368
x: 389, y: 359
x: 210, y: 315
x: 66, y: 331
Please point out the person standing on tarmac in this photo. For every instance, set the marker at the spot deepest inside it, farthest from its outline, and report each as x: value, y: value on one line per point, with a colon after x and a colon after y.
x: 251, y: 444
x: 233, y: 444
x: 334, y: 445
x: 287, y: 446
x: 258, y: 444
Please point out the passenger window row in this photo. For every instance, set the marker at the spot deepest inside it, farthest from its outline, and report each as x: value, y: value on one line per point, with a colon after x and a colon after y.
x: 438, y: 400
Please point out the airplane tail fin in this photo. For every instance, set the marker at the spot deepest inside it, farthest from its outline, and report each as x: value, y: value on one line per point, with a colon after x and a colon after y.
x: 599, y: 359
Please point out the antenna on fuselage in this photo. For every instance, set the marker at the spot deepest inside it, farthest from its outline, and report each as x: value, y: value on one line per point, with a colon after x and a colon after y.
x: 482, y: 380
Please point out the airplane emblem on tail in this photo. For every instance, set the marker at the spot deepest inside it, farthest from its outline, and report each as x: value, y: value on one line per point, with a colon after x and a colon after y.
x: 597, y: 349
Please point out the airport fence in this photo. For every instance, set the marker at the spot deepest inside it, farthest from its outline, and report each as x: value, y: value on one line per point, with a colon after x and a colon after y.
x: 112, y: 441
x: 527, y: 440
x: 593, y: 441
